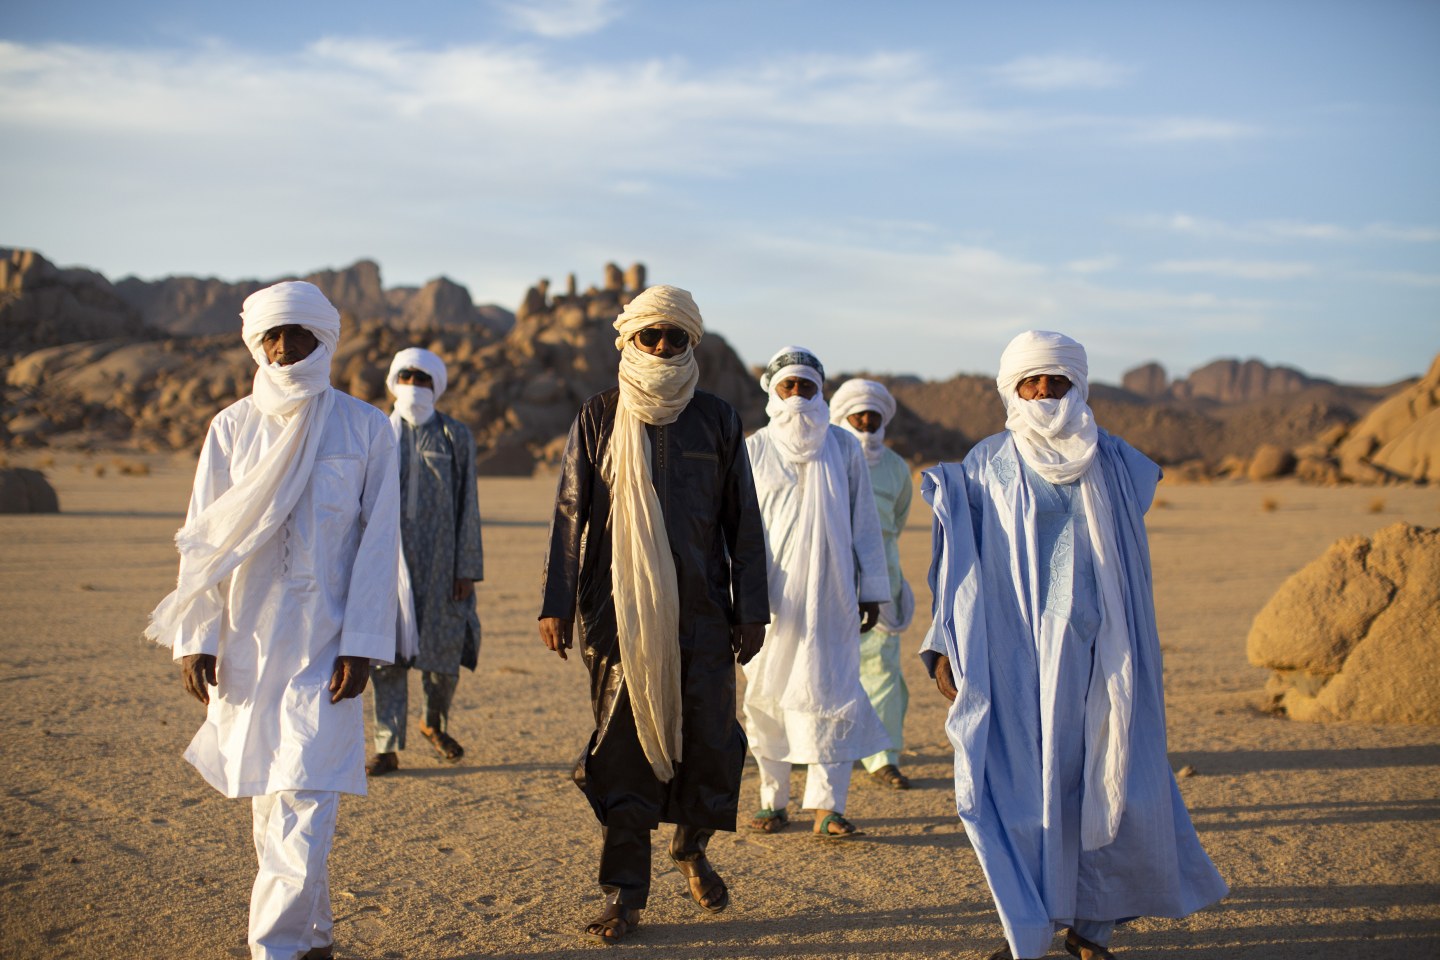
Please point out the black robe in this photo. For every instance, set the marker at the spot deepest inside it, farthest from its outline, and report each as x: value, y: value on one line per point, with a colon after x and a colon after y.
x: 707, y: 496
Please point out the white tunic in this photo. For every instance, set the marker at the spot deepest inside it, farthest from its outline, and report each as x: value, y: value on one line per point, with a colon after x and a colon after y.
x: 803, y: 701
x: 322, y: 587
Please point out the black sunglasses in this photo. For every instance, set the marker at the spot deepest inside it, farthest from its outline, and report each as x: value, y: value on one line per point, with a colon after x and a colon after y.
x: 651, y: 336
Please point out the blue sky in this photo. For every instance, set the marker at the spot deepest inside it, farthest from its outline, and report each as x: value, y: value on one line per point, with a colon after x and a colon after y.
x: 901, y: 187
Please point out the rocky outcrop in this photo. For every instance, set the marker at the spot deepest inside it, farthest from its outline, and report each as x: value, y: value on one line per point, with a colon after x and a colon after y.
x: 1352, y: 635
x: 1399, y: 439
x: 1234, y: 381
x: 1148, y: 380
x: 42, y: 305
x: 26, y: 491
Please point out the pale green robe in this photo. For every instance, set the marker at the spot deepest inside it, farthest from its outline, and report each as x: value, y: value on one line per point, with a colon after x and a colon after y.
x: 880, y: 673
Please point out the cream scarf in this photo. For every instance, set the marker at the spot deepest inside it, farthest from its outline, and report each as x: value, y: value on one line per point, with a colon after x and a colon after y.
x: 653, y: 390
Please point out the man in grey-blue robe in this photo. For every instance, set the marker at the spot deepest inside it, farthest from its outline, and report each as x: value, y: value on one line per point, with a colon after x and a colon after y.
x: 1044, y: 640
x: 439, y: 631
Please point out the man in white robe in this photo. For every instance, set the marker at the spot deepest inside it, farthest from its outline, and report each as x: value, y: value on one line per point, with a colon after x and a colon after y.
x: 1044, y: 641
x: 864, y: 408
x: 286, y: 595
x: 441, y: 559
x: 803, y: 701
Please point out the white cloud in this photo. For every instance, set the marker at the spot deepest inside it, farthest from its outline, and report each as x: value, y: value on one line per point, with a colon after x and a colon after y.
x: 560, y: 19
x: 1060, y: 73
x: 1093, y: 265
x: 1241, y: 269
x: 1270, y: 231
x: 1404, y: 278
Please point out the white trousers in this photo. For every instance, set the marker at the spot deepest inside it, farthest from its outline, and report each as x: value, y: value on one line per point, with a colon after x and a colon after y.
x: 290, y: 903
x: 826, y: 784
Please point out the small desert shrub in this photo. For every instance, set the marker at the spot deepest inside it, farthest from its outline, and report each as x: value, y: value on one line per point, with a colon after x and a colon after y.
x: 47, y: 460
x: 1269, y: 505
x: 1163, y: 504
x: 99, y: 469
x: 1377, y: 505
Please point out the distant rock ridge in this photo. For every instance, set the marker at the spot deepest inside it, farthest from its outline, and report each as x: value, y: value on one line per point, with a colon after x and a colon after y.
x: 42, y: 305
x: 1224, y: 381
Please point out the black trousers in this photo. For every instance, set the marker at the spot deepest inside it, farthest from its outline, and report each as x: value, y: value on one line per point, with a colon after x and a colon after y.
x: 625, y: 860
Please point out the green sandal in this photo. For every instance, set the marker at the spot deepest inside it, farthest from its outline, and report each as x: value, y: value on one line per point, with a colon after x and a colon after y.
x: 770, y: 821
x: 847, y: 829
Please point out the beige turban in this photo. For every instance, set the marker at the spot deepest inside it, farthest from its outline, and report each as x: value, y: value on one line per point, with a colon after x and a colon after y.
x: 660, y: 304
x: 857, y: 396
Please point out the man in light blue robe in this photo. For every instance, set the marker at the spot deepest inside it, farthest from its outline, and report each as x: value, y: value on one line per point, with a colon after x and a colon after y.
x: 1044, y: 640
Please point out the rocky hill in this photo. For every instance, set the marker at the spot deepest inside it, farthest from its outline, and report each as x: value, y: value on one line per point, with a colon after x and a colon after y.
x: 149, y: 362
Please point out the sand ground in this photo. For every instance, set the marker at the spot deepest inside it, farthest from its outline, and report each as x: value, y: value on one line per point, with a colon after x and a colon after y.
x: 114, y: 847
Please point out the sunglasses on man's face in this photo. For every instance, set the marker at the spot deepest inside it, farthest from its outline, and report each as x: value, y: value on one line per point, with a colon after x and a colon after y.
x: 651, y: 336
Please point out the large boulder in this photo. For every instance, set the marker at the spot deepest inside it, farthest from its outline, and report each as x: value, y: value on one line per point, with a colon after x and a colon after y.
x: 42, y: 305
x: 26, y: 491
x: 1352, y: 635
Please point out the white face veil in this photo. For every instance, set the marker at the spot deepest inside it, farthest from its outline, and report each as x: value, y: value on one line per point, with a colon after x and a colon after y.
x: 798, y: 424
x: 416, y: 404
x: 653, y: 390
x: 1056, y: 438
x: 860, y: 396
x: 221, y: 537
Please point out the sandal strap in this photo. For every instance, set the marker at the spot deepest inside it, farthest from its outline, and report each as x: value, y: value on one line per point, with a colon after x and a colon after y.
x: 845, y: 825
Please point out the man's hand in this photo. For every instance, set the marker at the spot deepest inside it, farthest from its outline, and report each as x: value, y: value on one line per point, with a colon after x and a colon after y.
x: 869, y: 616
x: 944, y: 679
x: 197, y: 672
x: 745, y: 640
x: 464, y: 588
x: 350, y: 677
x: 556, y: 634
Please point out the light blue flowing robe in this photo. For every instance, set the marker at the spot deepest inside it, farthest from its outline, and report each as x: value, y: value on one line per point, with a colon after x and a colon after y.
x: 1016, y: 611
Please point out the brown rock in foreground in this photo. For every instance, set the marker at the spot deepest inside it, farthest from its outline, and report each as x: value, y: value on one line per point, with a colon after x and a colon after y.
x: 26, y: 491
x: 1352, y: 635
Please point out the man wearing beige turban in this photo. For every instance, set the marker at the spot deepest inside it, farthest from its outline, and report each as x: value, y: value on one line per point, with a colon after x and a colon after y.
x: 656, y: 543
x: 286, y: 596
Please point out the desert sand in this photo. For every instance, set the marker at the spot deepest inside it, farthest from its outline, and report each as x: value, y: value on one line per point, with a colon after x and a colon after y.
x: 114, y: 847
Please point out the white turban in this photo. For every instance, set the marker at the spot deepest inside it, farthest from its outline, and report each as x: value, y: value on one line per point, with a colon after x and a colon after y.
x: 293, y: 301
x: 418, y: 358
x: 857, y: 396
x: 661, y: 303
x: 792, y: 362
x: 1042, y: 351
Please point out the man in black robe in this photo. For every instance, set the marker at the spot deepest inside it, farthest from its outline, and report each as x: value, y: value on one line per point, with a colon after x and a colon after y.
x: 657, y: 528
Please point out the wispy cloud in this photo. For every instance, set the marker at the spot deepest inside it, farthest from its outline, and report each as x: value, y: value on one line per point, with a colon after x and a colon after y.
x: 1049, y: 73
x: 1093, y: 265
x: 560, y: 19
x: 1240, y: 269
x: 1404, y: 278
x: 1269, y: 231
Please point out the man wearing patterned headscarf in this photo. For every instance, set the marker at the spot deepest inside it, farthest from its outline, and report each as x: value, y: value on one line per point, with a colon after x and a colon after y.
x: 864, y: 408
x: 441, y: 558
x: 286, y: 595
x: 804, y: 702
x: 656, y: 543
x: 1044, y: 641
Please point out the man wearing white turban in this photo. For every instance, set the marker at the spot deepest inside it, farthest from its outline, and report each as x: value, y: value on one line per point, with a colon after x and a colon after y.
x: 864, y: 408
x: 1043, y: 639
x: 656, y: 543
x: 286, y: 595
x: 804, y: 702
x: 441, y: 558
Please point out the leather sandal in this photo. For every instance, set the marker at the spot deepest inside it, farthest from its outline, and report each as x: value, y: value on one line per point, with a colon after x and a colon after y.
x: 769, y: 821
x: 1002, y: 953
x: 890, y: 776
x: 847, y: 829
x: 447, y: 746
x: 1078, y: 946
x: 381, y: 764
x: 614, y: 924
x: 320, y: 953
x: 713, y: 895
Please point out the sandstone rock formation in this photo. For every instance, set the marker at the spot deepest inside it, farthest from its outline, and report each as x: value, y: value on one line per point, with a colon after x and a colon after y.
x: 1148, y: 380
x: 1352, y: 635
x: 1399, y: 439
x: 42, y: 305
x: 26, y: 491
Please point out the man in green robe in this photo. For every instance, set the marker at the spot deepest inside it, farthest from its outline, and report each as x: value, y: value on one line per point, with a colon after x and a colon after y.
x: 865, y: 408
x: 438, y: 630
